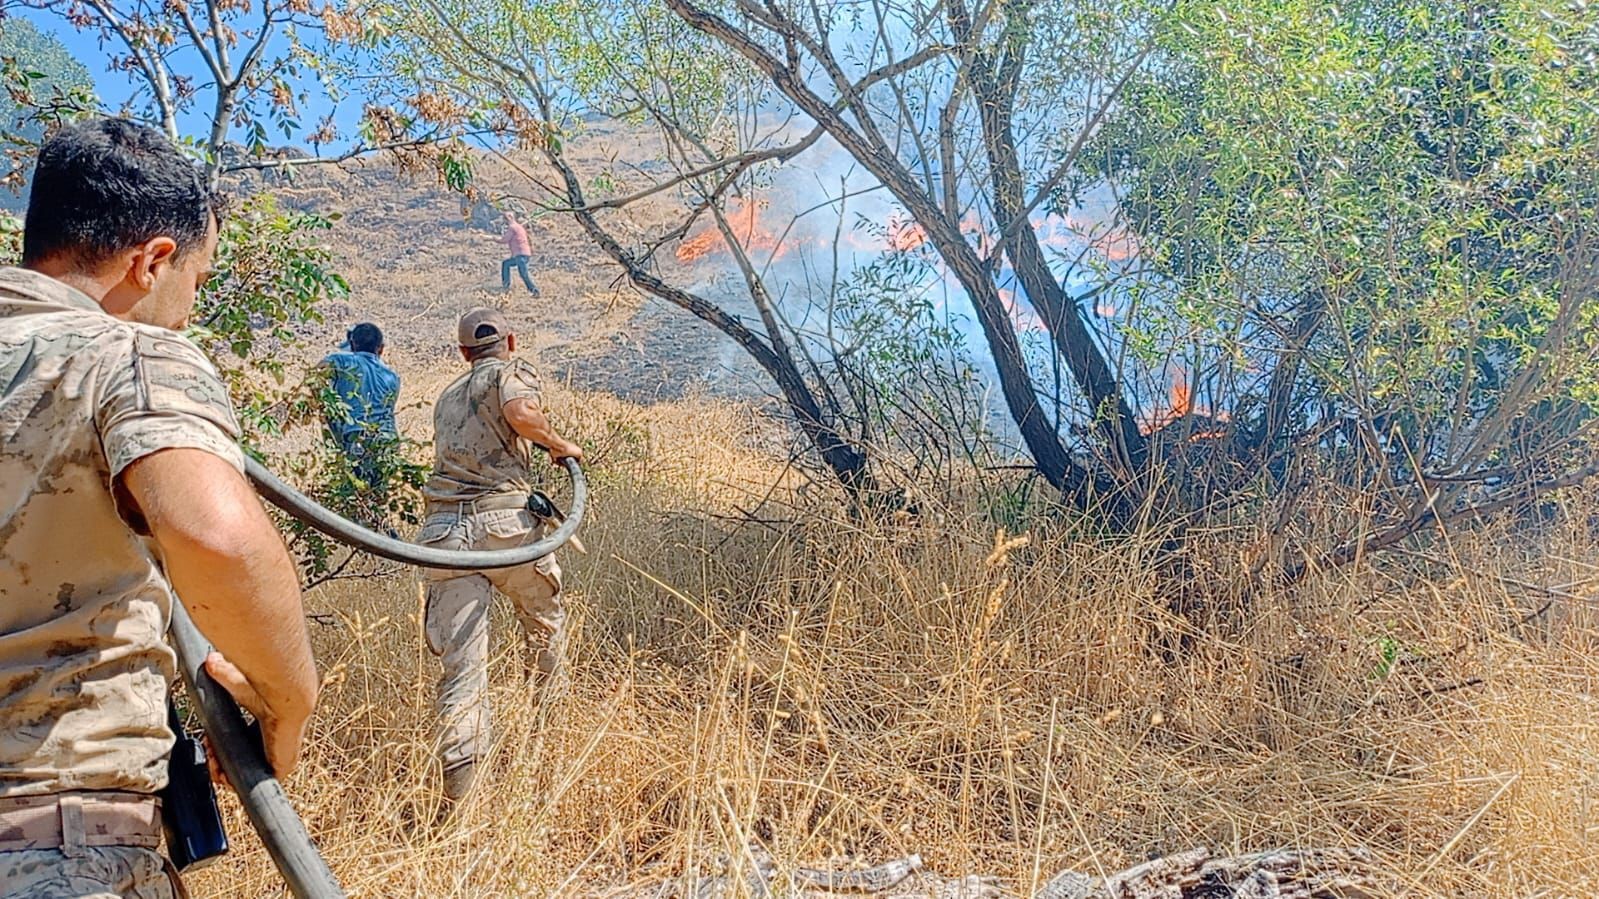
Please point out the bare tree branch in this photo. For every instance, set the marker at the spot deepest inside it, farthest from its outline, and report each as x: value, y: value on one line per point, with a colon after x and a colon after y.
x: 353, y: 152
x: 867, y: 146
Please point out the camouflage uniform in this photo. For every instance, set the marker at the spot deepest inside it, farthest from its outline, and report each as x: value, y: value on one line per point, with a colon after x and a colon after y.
x: 84, y: 604
x: 101, y: 872
x: 476, y: 499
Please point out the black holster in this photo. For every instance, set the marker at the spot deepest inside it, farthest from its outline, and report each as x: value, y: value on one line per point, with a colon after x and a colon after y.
x: 189, y: 813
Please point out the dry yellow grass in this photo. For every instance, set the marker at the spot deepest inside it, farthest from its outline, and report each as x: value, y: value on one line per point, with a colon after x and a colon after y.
x: 1000, y: 706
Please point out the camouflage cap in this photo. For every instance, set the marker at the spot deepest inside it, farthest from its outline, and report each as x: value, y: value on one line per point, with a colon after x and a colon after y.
x: 482, y: 327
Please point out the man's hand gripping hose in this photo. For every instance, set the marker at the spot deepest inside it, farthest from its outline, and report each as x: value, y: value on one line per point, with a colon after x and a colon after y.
x: 237, y: 745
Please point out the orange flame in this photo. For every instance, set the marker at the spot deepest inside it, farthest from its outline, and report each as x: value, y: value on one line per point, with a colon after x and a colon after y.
x: 902, y: 233
x: 743, y: 220
x: 905, y: 236
x: 1179, y: 406
x: 1182, y: 398
x: 698, y: 246
x: 1181, y: 403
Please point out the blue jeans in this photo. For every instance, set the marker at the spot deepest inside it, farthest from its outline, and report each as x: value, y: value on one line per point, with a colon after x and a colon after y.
x: 520, y: 264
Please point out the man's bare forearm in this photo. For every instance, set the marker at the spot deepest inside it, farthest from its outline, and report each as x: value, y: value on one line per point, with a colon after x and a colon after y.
x: 528, y: 420
x: 228, y: 564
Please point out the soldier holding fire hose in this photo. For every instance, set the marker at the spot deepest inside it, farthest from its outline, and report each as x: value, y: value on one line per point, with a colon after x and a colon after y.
x: 485, y: 427
x: 121, y: 487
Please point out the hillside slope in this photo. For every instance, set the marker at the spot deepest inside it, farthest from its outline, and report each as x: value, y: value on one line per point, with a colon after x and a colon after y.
x: 416, y: 256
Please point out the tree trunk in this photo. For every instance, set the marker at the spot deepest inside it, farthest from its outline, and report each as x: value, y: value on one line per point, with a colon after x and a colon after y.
x: 867, y: 147
x: 994, y: 82
x: 847, y: 462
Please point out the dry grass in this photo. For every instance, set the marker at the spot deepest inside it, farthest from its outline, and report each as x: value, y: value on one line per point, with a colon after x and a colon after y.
x: 1000, y: 706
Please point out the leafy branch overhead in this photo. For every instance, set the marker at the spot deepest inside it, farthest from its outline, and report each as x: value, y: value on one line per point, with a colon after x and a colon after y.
x: 41, y: 86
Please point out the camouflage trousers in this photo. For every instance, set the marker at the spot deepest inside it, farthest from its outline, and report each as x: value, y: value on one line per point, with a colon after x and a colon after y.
x: 456, y: 619
x: 95, y: 872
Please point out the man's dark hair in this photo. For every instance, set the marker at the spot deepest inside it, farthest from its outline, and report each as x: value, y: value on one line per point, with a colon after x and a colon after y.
x: 365, y: 338
x: 107, y: 185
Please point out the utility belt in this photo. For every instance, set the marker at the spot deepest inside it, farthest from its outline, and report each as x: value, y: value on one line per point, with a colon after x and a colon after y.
x: 537, y: 503
x: 502, y: 503
x: 71, y: 821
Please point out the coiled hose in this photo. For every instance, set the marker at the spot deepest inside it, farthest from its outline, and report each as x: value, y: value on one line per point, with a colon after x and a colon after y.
x: 241, y: 756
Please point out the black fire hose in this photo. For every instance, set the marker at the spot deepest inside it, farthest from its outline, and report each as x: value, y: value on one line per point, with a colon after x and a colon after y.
x: 349, y: 533
x: 243, y: 760
x: 239, y: 752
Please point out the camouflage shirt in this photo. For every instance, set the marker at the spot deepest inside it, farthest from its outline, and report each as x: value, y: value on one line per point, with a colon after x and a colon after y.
x: 476, y: 453
x: 84, y: 604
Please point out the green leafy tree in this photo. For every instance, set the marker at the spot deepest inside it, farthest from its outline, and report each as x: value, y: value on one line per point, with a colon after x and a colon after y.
x: 251, y: 68
x: 1373, y: 233
x: 1358, y: 237
x: 10, y: 238
x: 248, y: 67
x: 251, y: 56
x: 534, y: 73
x: 42, y: 86
x: 906, y: 90
x: 274, y: 273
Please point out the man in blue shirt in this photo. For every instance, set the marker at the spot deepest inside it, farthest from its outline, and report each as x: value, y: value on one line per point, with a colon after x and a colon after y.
x: 365, y: 391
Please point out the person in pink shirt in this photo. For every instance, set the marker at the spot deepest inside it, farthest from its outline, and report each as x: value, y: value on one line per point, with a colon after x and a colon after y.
x: 520, y: 250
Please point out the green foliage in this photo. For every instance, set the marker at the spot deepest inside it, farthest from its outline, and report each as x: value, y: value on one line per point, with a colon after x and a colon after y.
x: 38, y: 73
x: 10, y: 238
x: 384, y: 498
x: 456, y: 171
x: 890, y: 319
x: 41, y: 85
x: 381, y: 495
x: 271, y: 274
x: 902, y: 358
x: 1425, y: 171
x: 1015, y: 506
x: 1388, y: 650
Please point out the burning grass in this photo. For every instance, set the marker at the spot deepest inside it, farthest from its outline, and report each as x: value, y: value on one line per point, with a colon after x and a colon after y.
x: 1000, y: 705
x: 743, y: 222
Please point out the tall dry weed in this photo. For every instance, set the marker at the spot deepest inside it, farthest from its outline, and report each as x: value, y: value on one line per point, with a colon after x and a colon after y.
x: 1005, y: 704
